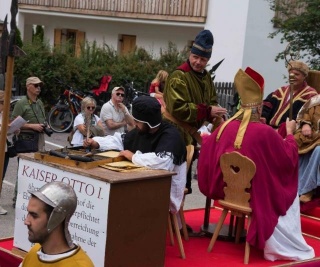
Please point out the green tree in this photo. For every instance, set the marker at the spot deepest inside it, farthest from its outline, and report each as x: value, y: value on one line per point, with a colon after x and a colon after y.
x: 19, y: 42
x: 38, y: 33
x: 298, y: 21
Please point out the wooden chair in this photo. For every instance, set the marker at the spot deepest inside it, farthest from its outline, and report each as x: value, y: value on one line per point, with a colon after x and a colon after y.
x: 182, y: 218
x: 238, y: 172
x: 190, y: 152
x: 172, y: 218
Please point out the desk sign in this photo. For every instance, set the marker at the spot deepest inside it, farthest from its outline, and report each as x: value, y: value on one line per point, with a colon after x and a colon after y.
x: 88, y: 225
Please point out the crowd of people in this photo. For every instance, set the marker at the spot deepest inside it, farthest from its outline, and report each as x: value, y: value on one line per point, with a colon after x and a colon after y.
x: 161, y: 128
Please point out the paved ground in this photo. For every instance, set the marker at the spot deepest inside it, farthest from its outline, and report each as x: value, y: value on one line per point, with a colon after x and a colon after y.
x: 194, y: 200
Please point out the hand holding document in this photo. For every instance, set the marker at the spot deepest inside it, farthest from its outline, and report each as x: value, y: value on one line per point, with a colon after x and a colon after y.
x: 16, y: 124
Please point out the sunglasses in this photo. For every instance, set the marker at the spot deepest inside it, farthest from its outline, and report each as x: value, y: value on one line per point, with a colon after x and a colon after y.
x: 119, y: 94
x: 36, y: 85
x: 91, y: 108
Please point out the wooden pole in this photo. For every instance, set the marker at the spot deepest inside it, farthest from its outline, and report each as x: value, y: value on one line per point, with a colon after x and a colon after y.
x: 88, y: 124
x: 5, y: 113
x: 291, y: 81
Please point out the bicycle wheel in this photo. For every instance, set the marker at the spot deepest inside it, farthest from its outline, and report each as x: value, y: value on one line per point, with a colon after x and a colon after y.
x: 60, y: 119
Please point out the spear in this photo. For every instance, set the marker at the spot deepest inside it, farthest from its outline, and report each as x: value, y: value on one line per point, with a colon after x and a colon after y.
x: 214, y: 68
x: 88, y: 124
x: 8, y: 51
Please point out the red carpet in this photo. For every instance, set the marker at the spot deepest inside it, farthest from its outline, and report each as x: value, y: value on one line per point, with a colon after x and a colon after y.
x: 7, y: 259
x: 311, y: 208
x: 224, y: 254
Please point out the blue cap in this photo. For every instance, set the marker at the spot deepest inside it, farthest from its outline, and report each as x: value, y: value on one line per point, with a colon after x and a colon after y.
x: 203, y: 43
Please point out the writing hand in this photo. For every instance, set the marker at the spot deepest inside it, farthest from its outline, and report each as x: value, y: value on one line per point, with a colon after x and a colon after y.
x: 127, y: 154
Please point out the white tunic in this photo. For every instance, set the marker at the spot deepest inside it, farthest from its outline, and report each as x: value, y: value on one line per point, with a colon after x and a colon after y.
x: 287, y: 242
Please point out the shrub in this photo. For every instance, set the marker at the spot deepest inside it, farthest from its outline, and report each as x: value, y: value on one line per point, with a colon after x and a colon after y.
x: 84, y: 72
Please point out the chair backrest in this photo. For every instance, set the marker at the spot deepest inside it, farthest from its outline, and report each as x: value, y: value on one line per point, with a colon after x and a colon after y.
x: 103, y: 86
x: 313, y: 79
x: 238, y: 171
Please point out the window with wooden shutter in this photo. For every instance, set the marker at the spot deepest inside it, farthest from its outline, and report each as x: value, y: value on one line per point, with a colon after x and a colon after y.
x: 80, y: 38
x: 127, y: 44
x: 57, y: 37
x: 74, y: 38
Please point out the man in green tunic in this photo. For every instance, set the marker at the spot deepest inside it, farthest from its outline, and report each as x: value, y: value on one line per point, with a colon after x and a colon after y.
x: 189, y: 92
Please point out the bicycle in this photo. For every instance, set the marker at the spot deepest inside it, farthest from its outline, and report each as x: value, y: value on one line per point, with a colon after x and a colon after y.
x: 61, y: 116
x: 131, y: 94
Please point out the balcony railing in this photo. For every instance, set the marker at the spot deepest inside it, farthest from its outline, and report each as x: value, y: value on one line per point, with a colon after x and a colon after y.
x: 173, y: 10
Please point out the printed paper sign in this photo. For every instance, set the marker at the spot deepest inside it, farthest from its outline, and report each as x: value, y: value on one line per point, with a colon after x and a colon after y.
x: 88, y: 225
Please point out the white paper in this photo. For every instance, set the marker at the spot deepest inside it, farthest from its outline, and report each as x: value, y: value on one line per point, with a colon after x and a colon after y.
x: 16, y: 124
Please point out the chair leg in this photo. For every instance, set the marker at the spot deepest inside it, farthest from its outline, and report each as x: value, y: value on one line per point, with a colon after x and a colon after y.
x: 182, y: 218
x: 183, y: 223
x: 230, y: 231
x: 207, y: 210
x: 217, y: 230
x: 177, y: 231
x: 247, y: 248
x: 170, y: 230
x: 239, y: 228
x: 190, y: 152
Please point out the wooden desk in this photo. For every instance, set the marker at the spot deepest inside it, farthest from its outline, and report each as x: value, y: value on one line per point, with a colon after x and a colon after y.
x: 135, y: 205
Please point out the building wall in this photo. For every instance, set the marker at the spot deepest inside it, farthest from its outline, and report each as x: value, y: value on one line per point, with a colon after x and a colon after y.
x: 259, y: 50
x: 150, y: 37
x: 227, y: 21
x: 5, y: 10
x: 240, y: 30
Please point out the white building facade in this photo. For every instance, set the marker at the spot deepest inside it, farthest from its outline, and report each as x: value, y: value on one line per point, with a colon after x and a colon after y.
x: 240, y: 30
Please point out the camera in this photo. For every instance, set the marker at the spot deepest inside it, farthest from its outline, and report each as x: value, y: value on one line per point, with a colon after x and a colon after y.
x: 47, y: 130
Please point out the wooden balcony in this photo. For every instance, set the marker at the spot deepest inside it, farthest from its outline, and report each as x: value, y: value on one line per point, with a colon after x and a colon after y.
x: 194, y: 11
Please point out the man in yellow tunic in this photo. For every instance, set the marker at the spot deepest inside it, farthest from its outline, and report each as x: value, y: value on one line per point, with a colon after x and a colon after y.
x: 49, y: 213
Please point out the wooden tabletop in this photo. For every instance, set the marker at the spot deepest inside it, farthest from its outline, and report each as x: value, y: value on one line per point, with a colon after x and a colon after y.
x: 102, y: 173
